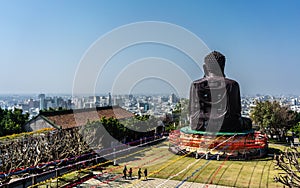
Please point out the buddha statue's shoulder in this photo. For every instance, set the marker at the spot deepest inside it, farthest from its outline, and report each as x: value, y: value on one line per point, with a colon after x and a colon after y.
x: 214, y: 82
x: 201, y: 80
x: 231, y: 82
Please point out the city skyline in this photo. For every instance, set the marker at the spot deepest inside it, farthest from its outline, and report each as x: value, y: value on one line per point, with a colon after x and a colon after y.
x: 42, y: 43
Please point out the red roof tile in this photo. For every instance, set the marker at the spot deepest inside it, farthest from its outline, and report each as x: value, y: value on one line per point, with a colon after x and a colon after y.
x: 74, y: 118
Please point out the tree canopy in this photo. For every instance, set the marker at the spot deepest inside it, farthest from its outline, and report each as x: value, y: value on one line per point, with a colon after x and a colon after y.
x: 273, y: 117
x: 12, y: 121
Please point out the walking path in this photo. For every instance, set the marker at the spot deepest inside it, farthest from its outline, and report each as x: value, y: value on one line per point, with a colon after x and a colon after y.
x: 134, y: 183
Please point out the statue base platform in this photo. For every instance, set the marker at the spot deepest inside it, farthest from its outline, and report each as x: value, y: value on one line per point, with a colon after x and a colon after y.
x: 217, y: 145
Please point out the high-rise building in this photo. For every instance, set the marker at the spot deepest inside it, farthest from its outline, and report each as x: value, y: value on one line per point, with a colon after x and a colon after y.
x: 55, y: 102
x: 42, y: 101
x: 97, y: 101
x: 173, y: 98
x: 130, y: 97
x: 31, y: 103
x: 109, y: 100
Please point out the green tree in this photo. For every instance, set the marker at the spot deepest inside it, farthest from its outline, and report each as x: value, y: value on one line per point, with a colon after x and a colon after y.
x: 296, y: 128
x: 179, y: 116
x: 273, y: 118
x: 12, y: 121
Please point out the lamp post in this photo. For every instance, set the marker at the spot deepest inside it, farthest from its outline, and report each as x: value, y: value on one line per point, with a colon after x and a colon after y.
x: 113, y: 144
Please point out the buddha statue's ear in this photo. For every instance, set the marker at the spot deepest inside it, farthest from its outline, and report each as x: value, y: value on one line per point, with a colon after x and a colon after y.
x: 205, y: 70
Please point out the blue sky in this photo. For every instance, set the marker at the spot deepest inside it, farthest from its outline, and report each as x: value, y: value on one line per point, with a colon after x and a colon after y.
x: 42, y: 42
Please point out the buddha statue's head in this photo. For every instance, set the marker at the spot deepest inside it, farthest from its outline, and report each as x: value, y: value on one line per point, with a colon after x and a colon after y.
x: 214, y: 64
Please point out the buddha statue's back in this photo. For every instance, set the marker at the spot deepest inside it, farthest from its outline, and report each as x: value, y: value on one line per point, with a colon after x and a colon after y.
x: 215, y: 103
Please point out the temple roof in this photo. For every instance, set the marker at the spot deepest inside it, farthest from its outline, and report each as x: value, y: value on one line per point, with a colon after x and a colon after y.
x: 73, y: 118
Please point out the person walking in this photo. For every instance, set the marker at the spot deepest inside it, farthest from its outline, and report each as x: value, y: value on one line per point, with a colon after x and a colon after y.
x: 124, y: 172
x: 130, y: 173
x: 139, y: 173
x: 146, y: 174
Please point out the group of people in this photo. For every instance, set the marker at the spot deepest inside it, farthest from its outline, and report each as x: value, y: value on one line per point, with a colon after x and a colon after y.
x: 130, y: 173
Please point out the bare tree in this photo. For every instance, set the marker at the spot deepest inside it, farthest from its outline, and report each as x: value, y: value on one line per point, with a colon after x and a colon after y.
x: 288, y: 161
x: 40, y: 149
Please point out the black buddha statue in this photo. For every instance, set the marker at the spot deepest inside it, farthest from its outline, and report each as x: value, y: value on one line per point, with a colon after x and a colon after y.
x: 215, y: 103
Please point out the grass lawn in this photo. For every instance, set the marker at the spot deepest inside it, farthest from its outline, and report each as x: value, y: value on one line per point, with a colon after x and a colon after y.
x: 254, y: 173
x: 165, y: 165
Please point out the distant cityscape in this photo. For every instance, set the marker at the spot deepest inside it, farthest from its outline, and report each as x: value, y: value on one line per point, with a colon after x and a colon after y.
x: 154, y: 105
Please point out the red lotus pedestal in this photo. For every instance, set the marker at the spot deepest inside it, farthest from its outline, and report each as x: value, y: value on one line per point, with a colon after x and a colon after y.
x: 235, y: 145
